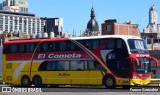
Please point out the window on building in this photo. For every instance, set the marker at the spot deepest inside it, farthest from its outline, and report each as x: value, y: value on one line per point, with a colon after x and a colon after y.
x: 108, y: 28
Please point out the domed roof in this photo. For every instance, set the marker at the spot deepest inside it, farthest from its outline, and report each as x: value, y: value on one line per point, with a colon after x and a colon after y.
x: 92, y: 24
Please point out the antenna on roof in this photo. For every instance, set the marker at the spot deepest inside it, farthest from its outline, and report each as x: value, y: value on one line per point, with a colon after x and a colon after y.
x: 80, y: 34
x: 92, y: 3
x: 73, y: 33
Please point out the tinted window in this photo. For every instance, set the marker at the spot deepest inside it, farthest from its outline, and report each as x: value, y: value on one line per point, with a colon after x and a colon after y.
x: 63, y: 46
x: 111, y: 44
x: 54, y: 66
x: 22, y: 48
x: 108, y: 45
x: 45, y: 47
x: 95, y: 43
x: 94, y: 65
x: 13, y: 48
x: 137, y: 46
x: 30, y: 47
x: 77, y: 65
x: 51, y: 46
x: 72, y: 46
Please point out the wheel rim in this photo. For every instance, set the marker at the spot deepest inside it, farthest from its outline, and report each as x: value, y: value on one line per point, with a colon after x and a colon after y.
x: 37, y: 82
x: 109, y: 82
x: 25, y: 81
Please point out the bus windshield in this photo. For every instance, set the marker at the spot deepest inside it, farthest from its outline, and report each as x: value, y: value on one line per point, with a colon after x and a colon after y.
x: 145, y: 66
x: 137, y: 46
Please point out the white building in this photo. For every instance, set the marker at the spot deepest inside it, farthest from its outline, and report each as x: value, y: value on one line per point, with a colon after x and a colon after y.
x: 21, y: 22
x: 153, y: 26
x: 15, y: 5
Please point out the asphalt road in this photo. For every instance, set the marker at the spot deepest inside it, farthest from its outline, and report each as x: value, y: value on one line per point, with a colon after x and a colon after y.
x: 81, y: 90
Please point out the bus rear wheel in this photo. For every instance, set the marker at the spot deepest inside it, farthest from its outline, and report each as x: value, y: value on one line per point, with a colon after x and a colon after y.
x: 109, y: 82
x: 25, y: 81
x: 37, y: 81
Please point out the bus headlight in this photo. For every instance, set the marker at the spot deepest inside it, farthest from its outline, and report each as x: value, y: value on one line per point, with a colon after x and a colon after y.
x: 135, y: 77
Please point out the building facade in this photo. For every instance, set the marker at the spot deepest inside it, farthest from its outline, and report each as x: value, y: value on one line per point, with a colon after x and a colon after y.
x: 15, y: 5
x: 21, y: 22
x: 111, y: 27
x: 152, y: 32
x: 54, y: 25
x: 153, y: 26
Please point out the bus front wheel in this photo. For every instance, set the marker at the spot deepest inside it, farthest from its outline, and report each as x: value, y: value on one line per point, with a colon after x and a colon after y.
x: 37, y: 81
x: 109, y: 82
x: 25, y: 81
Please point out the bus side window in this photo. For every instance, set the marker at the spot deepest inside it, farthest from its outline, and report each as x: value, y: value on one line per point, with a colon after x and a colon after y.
x: 13, y: 48
x: 49, y: 65
x: 63, y: 46
x: 77, y: 65
x: 86, y: 43
x: 95, y: 43
x: 30, y: 47
x: 91, y: 65
x: 102, y: 41
x: 111, y: 44
x: 121, y: 48
x: 22, y: 48
x: 45, y: 47
x: 64, y: 65
x: 94, y: 65
x: 59, y: 65
x: 72, y: 46
x: 43, y: 66
x: 51, y: 46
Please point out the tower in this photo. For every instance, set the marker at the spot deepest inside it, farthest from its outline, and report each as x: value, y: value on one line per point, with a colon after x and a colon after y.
x: 153, y: 16
x: 92, y: 26
x: 153, y: 26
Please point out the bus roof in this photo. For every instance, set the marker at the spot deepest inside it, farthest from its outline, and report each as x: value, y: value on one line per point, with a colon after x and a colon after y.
x: 73, y: 38
x: 107, y: 36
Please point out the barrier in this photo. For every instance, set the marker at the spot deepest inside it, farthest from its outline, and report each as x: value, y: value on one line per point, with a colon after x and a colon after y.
x: 155, y: 81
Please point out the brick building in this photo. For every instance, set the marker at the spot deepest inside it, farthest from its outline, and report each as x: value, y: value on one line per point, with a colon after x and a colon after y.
x: 111, y: 27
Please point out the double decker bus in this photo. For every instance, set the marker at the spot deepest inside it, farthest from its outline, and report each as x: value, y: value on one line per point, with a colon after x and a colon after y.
x: 113, y: 60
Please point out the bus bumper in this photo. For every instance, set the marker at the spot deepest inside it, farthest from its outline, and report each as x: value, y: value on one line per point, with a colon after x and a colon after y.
x: 139, y: 82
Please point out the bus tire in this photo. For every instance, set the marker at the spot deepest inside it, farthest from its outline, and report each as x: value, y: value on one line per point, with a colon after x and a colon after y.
x: 37, y: 81
x: 109, y: 82
x: 25, y: 81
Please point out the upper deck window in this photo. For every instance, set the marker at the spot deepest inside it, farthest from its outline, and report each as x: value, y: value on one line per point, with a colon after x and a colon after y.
x: 137, y: 46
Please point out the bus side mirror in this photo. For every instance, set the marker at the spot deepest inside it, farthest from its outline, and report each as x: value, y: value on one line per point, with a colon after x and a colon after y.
x: 154, y: 59
x: 136, y: 60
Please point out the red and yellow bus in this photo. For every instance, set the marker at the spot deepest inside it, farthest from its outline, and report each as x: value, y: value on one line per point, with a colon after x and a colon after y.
x: 100, y: 60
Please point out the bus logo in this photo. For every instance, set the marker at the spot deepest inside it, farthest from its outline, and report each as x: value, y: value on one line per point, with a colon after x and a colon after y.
x: 59, y: 56
x: 41, y: 56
